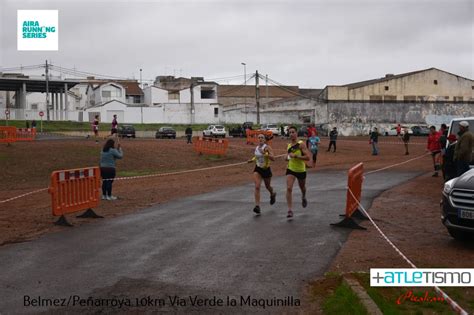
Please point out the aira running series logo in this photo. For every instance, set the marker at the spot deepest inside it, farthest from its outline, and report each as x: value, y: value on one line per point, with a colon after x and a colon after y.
x: 37, y: 29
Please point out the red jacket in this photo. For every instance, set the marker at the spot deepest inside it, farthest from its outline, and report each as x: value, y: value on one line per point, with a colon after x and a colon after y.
x: 433, y: 142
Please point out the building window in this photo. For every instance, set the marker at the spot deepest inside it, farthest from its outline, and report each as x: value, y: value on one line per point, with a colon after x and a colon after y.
x: 472, y: 87
x: 409, y: 98
x: 208, y: 94
x: 386, y: 88
x: 435, y: 82
x: 375, y: 97
x: 390, y: 98
x: 34, y: 106
x: 106, y: 94
x: 458, y: 98
x: 137, y: 99
x: 173, y: 95
x: 216, y: 111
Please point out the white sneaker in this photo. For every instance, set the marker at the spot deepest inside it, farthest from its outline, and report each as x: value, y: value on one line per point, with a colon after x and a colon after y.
x: 104, y: 197
x: 111, y: 198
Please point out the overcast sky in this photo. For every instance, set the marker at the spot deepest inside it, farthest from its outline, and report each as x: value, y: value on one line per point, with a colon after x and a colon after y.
x: 307, y: 43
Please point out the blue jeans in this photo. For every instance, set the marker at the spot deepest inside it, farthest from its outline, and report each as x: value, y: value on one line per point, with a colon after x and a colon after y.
x: 107, y: 173
x: 375, y: 149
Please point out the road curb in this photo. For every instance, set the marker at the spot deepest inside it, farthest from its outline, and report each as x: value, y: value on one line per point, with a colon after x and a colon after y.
x: 364, y: 297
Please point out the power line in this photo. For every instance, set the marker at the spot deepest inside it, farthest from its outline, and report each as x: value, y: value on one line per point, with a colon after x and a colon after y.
x: 281, y: 86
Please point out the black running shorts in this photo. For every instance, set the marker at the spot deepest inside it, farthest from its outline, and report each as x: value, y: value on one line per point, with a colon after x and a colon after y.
x: 299, y: 175
x: 263, y: 172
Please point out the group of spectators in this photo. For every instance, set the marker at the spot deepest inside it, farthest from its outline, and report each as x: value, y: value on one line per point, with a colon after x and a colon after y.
x: 450, y: 153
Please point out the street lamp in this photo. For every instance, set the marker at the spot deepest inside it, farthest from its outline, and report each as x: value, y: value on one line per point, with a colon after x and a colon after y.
x: 245, y: 84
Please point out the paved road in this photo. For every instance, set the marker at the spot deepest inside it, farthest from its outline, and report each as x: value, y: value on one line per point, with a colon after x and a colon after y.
x: 207, y: 245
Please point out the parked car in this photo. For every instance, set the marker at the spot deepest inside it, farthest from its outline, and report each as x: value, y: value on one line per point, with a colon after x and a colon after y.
x: 239, y: 131
x: 214, y: 131
x: 165, y: 132
x: 457, y: 206
x: 271, y: 127
x: 126, y: 131
x: 420, y: 130
x: 393, y: 131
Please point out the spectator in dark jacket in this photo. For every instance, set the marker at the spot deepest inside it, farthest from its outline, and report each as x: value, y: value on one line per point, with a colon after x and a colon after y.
x: 333, y: 138
x: 463, y: 149
x: 374, y: 140
x: 449, y: 167
x: 406, y: 140
x: 189, y: 134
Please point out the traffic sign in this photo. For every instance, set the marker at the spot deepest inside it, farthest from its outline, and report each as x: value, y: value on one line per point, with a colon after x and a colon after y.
x: 41, y: 114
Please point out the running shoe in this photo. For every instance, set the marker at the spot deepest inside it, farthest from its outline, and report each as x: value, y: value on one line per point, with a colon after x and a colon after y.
x: 290, y: 214
x: 256, y: 209
x: 104, y: 197
x: 111, y: 198
x: 273, y: 198
x: 304, y: 202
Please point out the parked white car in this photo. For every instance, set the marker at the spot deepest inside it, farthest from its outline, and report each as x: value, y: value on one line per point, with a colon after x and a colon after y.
x: 271, y: 127
x: 215, y: 131
x: 393, y: 131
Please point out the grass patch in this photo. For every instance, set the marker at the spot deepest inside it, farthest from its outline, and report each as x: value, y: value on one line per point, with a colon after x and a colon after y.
x: 343, y: 301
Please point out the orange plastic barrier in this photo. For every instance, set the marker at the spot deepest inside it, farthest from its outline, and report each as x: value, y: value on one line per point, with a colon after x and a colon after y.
x: 210, y: 146
x: 252, y: 136
x: 354, y: 184
x: 7, y: 134
x: 75, y: 190
x: 25, y: 134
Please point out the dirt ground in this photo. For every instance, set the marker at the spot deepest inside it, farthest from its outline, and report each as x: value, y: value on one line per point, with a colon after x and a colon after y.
x: 26, y: 166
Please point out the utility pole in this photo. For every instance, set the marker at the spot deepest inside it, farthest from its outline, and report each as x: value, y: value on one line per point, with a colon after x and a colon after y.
x: 257, y: 97
x: 47, y: 91
x: 266, y: 83
x: 245, y: 89
x: 141, y: 85
x: 192, y: 100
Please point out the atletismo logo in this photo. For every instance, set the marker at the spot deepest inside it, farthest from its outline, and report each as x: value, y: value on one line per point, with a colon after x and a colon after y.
x: 441, y: 277
x: 423, y: 298
x: 37, y: 29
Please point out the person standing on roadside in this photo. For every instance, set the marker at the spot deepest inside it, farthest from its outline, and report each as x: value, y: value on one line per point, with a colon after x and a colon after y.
x: 463, y: 149
x: 296, y: 170
x: 95, y: 128
x: 332, y: 139
x: 113, y: 131
x: 33, y: 124
x: 374, y: 140
x: 406, y: 140
x: 434, y: 148
x: 107, y: 167
x: 189, y: 134
x: 399, y: 130
x: 443, y: 139
x: 449, y: 167
x: 262, y: 157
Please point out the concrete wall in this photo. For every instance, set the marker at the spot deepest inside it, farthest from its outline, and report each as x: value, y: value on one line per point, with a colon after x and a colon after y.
x: 353, y: 118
